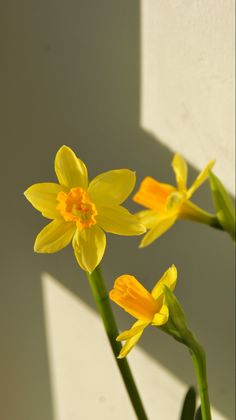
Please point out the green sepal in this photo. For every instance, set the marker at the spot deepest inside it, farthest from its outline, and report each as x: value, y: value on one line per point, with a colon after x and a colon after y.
x: 176, y: 325
x: 189, y: 405
x: 224, y: 206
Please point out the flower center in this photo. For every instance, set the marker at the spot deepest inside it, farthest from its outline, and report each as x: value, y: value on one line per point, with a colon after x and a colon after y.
x: 134, y: 298
x: 76, y: 206
x: 153, y: 194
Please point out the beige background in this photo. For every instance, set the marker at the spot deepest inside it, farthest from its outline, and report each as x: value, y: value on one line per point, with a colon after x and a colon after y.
x: 71, y: 74
x: 188, y: 79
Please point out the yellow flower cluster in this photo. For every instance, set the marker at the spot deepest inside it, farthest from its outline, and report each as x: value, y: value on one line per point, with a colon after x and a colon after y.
x: 81, y: 211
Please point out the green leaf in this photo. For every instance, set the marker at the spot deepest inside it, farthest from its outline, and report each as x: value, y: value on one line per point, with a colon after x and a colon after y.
x: 189, y: 405
x: 225, y: 210
x: 198, y: 415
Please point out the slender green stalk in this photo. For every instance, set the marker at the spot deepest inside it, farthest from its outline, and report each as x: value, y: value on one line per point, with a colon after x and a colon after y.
x: 191, y: 211
x: 177, y: 328
x: 102, y: 300
x: 199, y: 362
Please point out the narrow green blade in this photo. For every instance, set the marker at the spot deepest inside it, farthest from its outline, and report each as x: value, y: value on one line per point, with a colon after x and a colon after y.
x: 198, y: 415
x: 189, y: 405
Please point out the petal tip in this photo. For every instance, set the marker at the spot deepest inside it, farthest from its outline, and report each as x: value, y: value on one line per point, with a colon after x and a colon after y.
x: 142, y: 245
x: 212, y: 164
x: 121, y: 355
x: 143, y: 228
x: 36, y: 249
x: 173, y: 267
x: 134, y: 176
x: 119, y: 337
x: 64, y: 147
x: 27, y: 192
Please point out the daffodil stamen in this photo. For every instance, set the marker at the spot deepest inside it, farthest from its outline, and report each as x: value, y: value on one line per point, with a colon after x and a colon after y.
x: 76, y: 206
x: 134, y: 298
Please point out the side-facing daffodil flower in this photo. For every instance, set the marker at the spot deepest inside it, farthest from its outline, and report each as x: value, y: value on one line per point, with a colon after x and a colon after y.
x: 148, y: 308
x: 82, y: 211
x: 167, y: 203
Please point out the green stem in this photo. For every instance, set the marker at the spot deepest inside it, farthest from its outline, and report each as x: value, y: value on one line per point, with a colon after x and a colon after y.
x: 191, y: 211
x: 199, y: 362
x: 103, y: 303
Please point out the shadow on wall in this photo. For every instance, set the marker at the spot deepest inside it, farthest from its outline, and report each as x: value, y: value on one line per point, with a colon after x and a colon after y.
x: 71, y: 75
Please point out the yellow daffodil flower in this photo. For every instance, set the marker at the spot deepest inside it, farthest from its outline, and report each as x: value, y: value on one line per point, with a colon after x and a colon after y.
x: 147, y: 308
x: 167, y: 203
x: 82, y: 211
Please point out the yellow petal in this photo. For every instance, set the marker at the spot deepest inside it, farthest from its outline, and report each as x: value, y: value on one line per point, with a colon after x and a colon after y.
x: 164, y: 223
x: 202, y: 177
x: 161, y: 317
x: 89, y: 246
x: 118, y: 220
x: 148, y: 218
x: 112, y: 187
x: 55, y: 236
x: 168, y: 279
x: 130, y: 343
x: 181, y: 171
x: 135, y: 329
x: 43, y: 198
x: 70, y: 170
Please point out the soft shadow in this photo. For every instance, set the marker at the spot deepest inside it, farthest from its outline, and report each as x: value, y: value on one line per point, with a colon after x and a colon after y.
x: 72, y: 76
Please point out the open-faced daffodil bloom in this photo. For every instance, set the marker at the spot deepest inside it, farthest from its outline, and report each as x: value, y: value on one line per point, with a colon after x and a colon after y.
x: 147, y: 308
x: 166, y: 203
x: 81, y: 210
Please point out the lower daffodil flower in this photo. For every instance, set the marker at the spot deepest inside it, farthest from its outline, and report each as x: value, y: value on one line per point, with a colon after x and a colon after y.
x: 148, y: 308
x: 82, y: 211
x: 166, y: 203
